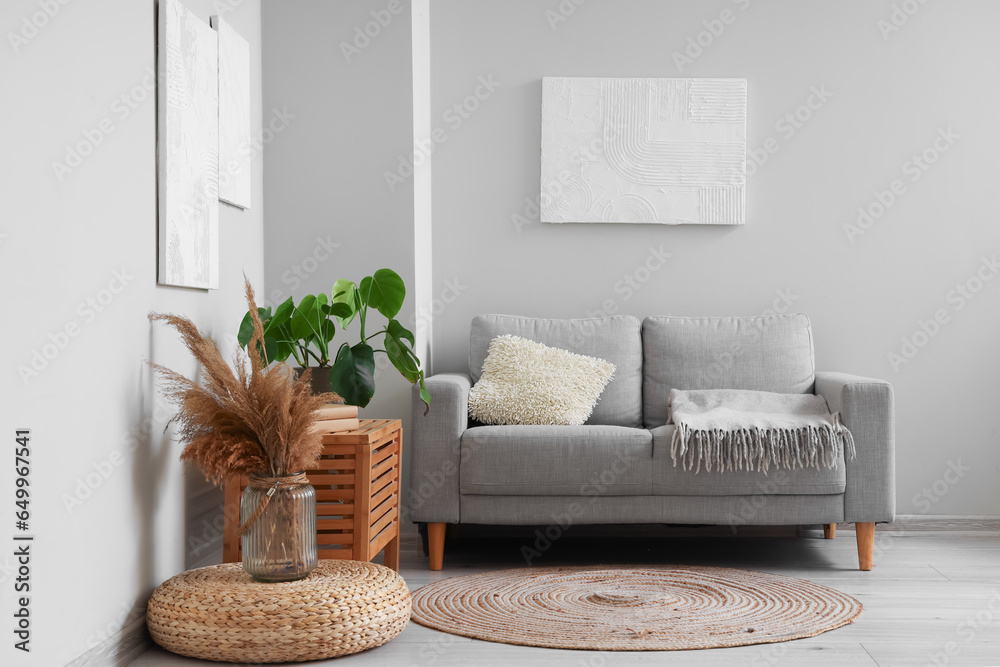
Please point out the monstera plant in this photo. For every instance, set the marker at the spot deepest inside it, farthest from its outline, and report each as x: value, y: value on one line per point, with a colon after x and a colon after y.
x: 302, y: 331
x: 306, y: 332
x: 353, y: 373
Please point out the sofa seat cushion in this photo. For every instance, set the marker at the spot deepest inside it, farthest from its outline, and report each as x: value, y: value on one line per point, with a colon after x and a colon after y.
x: 615, y: 339
x: 675, y: 481
x: 772, y: 353
x: 556, y: 461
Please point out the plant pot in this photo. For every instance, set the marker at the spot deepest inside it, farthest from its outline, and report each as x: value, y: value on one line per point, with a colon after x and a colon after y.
x: 320, y: 379
x: 279, y: 544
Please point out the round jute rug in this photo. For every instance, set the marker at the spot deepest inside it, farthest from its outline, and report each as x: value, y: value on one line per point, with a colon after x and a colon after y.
x: 646, y: 608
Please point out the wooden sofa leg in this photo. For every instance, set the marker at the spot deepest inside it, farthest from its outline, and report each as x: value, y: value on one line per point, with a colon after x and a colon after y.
x: 865, y: 531
x: 435, y: 539
x: 829, y: 530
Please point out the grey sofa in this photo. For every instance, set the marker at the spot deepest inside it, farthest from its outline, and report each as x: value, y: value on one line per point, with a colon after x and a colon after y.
x: 617, y: 467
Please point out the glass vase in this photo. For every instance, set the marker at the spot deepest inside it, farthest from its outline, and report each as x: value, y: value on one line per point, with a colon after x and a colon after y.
x: 280, y: 543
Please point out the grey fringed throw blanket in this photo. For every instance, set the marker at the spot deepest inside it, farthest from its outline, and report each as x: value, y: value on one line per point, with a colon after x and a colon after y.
x: 730, y: 429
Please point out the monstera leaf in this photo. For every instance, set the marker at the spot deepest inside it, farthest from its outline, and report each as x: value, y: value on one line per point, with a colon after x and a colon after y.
x: 353, y: 374
x: 384, y: 291
x: 345, y: 295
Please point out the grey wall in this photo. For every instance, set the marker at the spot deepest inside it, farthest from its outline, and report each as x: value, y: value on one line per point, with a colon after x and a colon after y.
x: 890, y: 97
x: 326, y: 180
x: 891, y: 92
x: 113, y: 510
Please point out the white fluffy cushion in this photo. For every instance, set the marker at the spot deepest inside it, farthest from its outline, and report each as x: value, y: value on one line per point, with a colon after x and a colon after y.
x: 525, y: 382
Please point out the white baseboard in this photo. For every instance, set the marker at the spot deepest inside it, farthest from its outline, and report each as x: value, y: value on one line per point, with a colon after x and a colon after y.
x: 120, y: 649
x: 940, y: 522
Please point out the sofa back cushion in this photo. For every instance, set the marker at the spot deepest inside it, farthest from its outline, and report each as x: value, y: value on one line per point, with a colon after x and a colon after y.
x: 773, y: 353
x: 616, y: 339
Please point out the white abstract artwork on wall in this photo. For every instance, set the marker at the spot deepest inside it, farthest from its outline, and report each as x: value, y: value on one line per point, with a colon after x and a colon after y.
x: 234, y: 115
x: 188, y: 149
x: 665, y: 151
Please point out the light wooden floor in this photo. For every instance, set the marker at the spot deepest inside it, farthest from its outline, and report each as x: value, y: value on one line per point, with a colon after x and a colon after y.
x: 929, y: 594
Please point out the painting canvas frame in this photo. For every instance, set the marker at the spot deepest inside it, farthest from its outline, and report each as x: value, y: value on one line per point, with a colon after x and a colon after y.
x: 234, y: 115
x: 188, y: 149
x: 632, y: 150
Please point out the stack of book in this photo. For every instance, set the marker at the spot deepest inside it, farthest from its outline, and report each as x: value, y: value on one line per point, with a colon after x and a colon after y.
x: 337, y: 417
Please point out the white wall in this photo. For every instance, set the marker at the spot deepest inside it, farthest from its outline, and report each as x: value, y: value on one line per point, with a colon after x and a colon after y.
x: 326, y: 184
x: 93, y: 408
x: 889, y: 99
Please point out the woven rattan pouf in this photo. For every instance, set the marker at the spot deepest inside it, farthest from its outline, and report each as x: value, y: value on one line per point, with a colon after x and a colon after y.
x: 220, y: 613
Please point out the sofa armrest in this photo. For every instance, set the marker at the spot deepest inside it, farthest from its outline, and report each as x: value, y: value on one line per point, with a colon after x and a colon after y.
x: 436, y: 448
x: 866, y: 408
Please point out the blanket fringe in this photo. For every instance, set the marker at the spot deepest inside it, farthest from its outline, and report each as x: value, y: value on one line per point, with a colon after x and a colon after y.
x: 757, y: 449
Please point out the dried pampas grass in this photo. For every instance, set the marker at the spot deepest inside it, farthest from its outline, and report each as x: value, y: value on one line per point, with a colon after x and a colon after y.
x: 256, y: 420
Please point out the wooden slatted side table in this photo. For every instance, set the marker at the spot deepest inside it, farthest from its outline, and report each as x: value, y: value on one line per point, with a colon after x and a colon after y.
x: 357, y: 482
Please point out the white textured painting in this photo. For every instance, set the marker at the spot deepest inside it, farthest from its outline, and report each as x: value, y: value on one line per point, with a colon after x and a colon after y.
x: 234, y: 115
x: 188, y: 146
x: 666, y: 151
